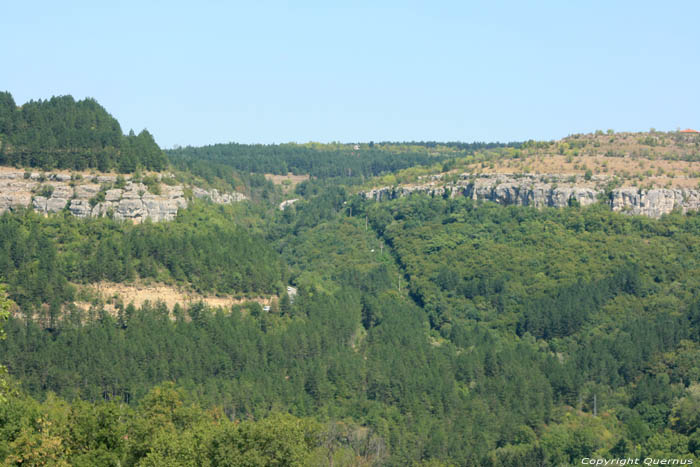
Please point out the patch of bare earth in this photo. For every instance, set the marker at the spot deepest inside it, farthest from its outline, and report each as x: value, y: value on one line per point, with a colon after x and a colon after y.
x: 631, y: 171
x: 138, y: 294
x: 288, y: 182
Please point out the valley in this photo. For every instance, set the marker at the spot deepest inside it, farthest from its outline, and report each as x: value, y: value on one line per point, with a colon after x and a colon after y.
x: 427, y: 304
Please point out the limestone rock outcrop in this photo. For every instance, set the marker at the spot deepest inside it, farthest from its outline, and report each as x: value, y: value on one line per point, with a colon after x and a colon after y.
x: 549, y: 191
x: 656, y: 202
x: 216, y: 197
x: 99, y: 196
x: 286, y: 203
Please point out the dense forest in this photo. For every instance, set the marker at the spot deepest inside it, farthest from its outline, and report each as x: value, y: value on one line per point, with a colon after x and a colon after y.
x: 40, y: 256
x: 466, y: 334
x: 424, y: 331
x: 320, y: 160
x: 62, y: 133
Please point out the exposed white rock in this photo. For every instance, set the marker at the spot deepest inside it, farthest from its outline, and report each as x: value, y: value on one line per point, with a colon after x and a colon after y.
x: 133, y: 202
x: 80, y: 207
x: 129, y: 208
x: 216, y: 197
x: 62, y: 191
x: 60, y: 177
x: 655, y: 202
x: 134, y: 190
x: 39, y: 203
x: 56, y: 204
x: 86, y: 191
x: 114, y: 194
x: 172, y: 191
x: 12, y: 199
x: 160, y: 208
x: 549, y: 190
x: 286, y: 203
x: 105, y: 208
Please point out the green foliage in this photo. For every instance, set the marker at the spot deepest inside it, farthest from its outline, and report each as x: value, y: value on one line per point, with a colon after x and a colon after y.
x: 424, y: 331
x: 152, y: 183
x: 5, y: 305
x: 120, y: 182
x: 67, y: 134
x: 44, y: 190
x: 40, y: 255
x: 98, y: 198
x: 685, y: 416
x: 164, y: 429
x: 317, y: 160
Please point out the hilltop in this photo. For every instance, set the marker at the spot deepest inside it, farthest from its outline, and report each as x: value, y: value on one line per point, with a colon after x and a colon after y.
x: 647, y: 159
x: 62, y: 133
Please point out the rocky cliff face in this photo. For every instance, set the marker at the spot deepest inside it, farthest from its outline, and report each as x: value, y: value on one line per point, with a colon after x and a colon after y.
x: 549, y: 190
x: 98, y: 196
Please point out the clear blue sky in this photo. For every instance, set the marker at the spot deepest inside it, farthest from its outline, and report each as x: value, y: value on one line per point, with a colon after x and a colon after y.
x: 207, y: 72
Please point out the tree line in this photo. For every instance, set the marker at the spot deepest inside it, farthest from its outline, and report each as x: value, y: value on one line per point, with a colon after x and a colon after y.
x: 62, y: 133
x: 318, y: 161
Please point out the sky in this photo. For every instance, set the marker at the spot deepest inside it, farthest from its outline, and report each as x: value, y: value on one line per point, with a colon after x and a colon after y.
x: 196, y: 73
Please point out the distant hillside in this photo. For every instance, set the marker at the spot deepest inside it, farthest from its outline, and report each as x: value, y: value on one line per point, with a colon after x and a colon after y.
x: 647, y: 160
x: 644, y: 161
x: 62, y: 133
x: 322, y: 160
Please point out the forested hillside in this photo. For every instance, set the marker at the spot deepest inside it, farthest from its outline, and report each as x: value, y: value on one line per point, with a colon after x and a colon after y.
x: 321, y: 160
x: 426, y: 330
x: 40, y: 256
x: 67, y: 134
x: 509, y: 323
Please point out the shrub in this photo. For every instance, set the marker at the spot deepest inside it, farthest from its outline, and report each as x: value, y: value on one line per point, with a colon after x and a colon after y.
x: 120, y: 182
x: 152, y: 183
x: 46, y: 191
x: 170, y: 181
x: 98, y: 198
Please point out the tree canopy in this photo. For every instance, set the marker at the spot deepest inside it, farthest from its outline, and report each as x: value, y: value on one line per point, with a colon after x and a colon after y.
x: 62, y: 133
